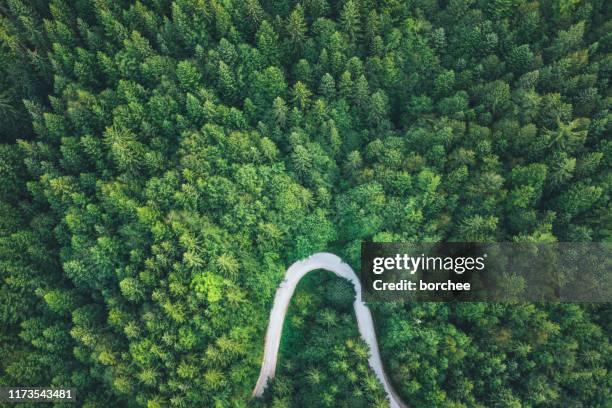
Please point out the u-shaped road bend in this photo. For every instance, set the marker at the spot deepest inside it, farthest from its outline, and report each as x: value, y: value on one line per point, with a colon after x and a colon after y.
x: 332, y: 263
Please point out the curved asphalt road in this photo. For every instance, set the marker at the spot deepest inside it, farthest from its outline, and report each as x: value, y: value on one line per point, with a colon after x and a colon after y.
x: 332, y: 263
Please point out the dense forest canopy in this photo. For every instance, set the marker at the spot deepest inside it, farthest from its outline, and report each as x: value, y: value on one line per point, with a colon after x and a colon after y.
x: 163, y: 162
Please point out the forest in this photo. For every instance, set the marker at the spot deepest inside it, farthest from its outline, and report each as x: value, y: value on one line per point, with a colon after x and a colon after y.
x: 163, y: 162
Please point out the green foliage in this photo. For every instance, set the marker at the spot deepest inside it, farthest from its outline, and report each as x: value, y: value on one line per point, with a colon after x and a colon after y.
x: 162, y: 163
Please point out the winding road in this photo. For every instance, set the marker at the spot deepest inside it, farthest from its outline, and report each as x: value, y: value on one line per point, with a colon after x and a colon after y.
x: 332, y: 263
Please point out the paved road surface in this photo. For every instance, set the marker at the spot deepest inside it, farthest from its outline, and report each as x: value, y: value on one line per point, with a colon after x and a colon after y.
x: 332, y: 263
